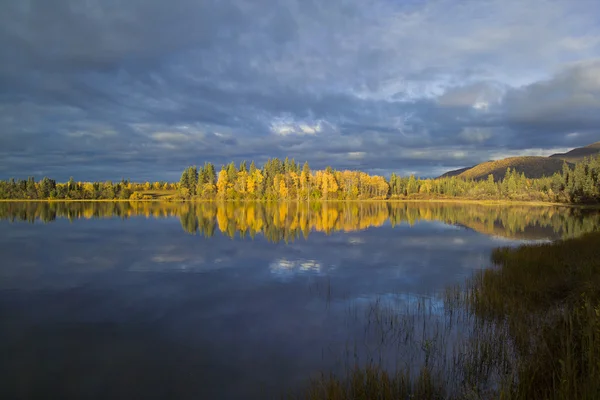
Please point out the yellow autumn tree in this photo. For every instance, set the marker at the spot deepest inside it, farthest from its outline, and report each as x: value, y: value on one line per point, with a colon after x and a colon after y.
x: 241, y: 183
x: 329, y: 185
x: 251, y: 186
x: 222, y: 183
x: 254, y: 181
x: 294, y: 185
x: 88, y: 188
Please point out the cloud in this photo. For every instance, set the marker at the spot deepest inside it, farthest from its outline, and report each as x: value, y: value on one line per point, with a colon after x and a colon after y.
x: 475, y: 135
x: 385, y: 86
x: 568, y: 101
x: 479, y: 95
x: 285, y: 126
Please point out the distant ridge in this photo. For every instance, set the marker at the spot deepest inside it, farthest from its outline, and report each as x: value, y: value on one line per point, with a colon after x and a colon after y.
x: 532, y: 167
x: 578, y: 154
x: 455, y: 172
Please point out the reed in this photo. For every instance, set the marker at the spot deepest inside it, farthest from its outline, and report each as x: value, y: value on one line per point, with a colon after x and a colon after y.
x: 531, y: 330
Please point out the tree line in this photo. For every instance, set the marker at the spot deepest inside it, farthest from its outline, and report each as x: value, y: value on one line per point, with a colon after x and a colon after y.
x: 288, y: 180
x: 279, y: 180
x: 46, y: 188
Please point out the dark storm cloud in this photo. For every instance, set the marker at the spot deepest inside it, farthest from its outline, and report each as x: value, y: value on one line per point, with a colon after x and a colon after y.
x: 105, y: 89
x: 567, y: 103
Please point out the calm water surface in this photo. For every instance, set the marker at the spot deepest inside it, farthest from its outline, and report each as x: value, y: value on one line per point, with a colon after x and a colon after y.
x: 147, y: 300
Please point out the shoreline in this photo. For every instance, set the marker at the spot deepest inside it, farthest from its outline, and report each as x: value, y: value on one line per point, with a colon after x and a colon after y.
x: 485, y: 202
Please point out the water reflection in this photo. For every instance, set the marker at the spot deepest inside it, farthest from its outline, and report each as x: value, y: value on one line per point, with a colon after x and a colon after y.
x: 290, y: 220
x: 104, y: 303
x: 286, y: 268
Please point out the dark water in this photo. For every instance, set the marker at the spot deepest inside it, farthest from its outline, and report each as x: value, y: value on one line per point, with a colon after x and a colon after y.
x: 146, y: 300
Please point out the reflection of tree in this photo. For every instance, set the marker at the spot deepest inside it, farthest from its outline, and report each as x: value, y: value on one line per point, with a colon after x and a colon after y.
x: 288, y: 221
x: 189, y: 222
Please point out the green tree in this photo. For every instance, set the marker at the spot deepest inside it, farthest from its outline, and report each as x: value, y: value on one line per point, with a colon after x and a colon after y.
x: 412, y: 187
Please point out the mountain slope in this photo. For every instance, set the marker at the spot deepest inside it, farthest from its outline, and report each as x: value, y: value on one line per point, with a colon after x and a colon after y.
x: 532, y: 167
x: 578, y: 154
x: 455, y: 172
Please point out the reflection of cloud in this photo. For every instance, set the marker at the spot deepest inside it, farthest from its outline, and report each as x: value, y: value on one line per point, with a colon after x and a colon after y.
x: 516, y: 242
x: 173, y: 263
x: 398, y: 303
x: 95, y: 261
x: 355, y: 240
x: 167, y: 258
x: 285, y: 267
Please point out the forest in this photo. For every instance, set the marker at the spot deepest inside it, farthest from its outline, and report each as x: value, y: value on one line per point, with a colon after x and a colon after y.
x: 288, y: 180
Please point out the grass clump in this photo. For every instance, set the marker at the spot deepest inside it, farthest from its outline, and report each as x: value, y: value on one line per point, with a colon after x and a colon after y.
x: 373, y: 382
x: 540, y: 277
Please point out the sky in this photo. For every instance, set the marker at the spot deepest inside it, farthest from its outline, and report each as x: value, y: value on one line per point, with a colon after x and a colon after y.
x: 105, y: 89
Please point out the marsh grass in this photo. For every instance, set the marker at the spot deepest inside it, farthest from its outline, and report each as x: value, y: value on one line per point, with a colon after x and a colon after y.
x: 528, y: 328
x: 414, y: 348
x: 549, y: 299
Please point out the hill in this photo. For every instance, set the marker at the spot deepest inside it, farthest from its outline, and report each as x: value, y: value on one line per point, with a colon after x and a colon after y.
x: 578, y: 154
x: 532, y: 167
x: 455, y: 172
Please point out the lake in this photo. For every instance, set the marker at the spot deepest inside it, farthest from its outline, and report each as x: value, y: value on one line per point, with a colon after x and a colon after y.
x: 203, y: 300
